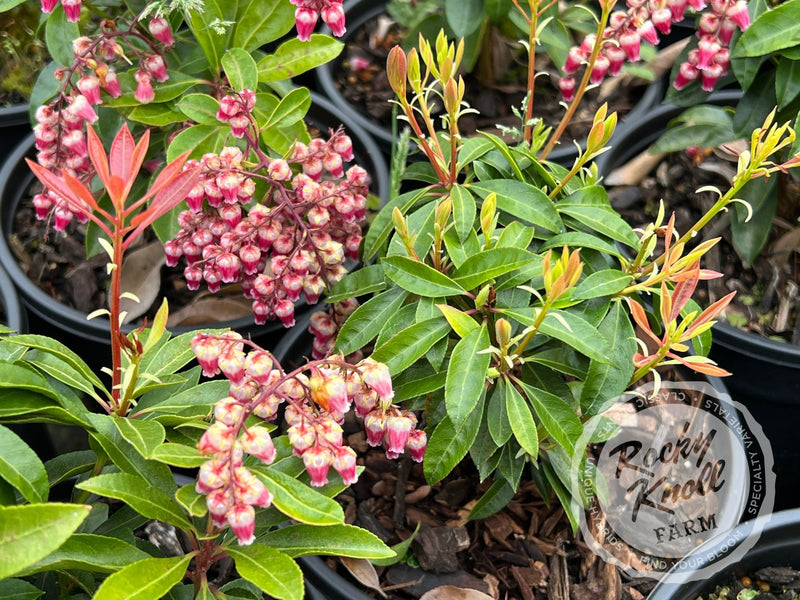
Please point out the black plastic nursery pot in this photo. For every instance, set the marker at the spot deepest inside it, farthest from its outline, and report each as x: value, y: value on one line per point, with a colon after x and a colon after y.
x: 358, y: 13
x: 90, y: 337
x: 765, y: 372
x: 14, y: 126
x: 777, y: 545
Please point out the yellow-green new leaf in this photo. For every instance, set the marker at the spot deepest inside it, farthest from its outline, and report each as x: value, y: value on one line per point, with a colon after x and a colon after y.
x: 272, y: 571
x: 145, y: 579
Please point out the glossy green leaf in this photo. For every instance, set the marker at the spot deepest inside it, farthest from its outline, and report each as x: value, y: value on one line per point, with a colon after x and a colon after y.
x: 262, y: 22
x: 366, y: 280
x: 774, y: 30
x: 461, y: 322
x: 294, y: 57
x: 144, y: 436
x: 605, y: 381
x: 787, y: 81
x: 198, y: 140
x: 382, y: 225
x: 522, y: 201
x: 497, y: 415
x: 466, y: 375
x: 191, y: 501
x: 367, y: 320
x: 17, y: 589
x: 557, y: 417
x: 291, y: 109
x: 205, y: 394
x: 59, y: 34
x: 472, y: 149
x: 298, y: 501
x: 464, y: 16
x: 750, y: 237
x: 418, y: 278
x: 69, y: 464
x: 515, y: 235
x: 580, y: 239
x: 272, y: 571
x: 417, y: 380
x: 241, y: 69
x: 493, y: 500
x: 484, y: 266
x: 29, y: 533
x: 601, y: 283
x: 200, y: 108
x: 459, y: 251
x: 334, y: 540
x: 145, y: 579
x: 60, y: 351
x: 156, y: 114
x: 704, y: 126
x: 177, y: 455
x: 89, y: 552
x: 21, y: 467
x: 139, y: 494
x: 604, y: 221
x: 464, y: 210
x: 521, y: 419
x: 212, y: 42
x: 412, y: 343
x: 448, y: 444
x: 123, y: 455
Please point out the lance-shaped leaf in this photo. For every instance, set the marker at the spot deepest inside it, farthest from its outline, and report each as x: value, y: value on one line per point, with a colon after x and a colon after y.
x: 521, y: 419
x: 419, y: 278
x: 412, y: 343
x: 89, y: 552
x: 334, y: 540
x: 466, y: 375
x: 558, y: 417
x: 448, y: 444
x: 272, y: 571
x: 20, y: 467
x: 145, y: 579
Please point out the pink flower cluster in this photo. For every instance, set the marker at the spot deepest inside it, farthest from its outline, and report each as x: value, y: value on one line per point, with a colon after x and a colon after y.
x: 315, y: 408
x: 291, y: 242
x: 72, y: 8
x: 645, y: 20
x: 324, y: 325
x: 309, y: 11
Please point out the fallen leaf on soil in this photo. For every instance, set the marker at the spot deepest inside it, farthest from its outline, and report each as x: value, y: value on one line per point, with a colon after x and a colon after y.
x: 451, y: 592
x: 209, y: 310
x: 363, y: 570
x: 141, y: 276
x: 784, y: 246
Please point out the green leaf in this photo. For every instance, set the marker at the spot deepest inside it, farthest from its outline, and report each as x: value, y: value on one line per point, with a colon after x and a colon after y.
x: 484, y: 266
x: 67, y: 465
x: 198, y: 140
x: 241, y: 69
x: 521, y: 419
x: 17, y: 589
x: 466, y: 375
x: 580, y: 239
x: 139, y: 494
x: 472, y: 149
x: 212, y: 43
x: 59, y: 34
x: 59, y: 350
x: 751, y: 236
x: 177, y: 455
x: 200, y: 108
x: 558, y: 418
x: 366, y: 280
x: 367, y: 320
x: 158, y: 114
x: 493, y: 500
x: 294, y: 57
x: 461, y: 322
x: 144, y: 436
x: 704, y: 126
x: 89, y: 552
x: 205, y: 394
x: 522, y: 201
x: 787, y: 81
x: 412, y: 343
x: 497, y: 414
x: 602, y: 220
x: 298, y: 501
x: 464, y: 16
x: 9, y: 4
x: 464, y: 210
x: 262, y: 22
x: 334, y: 540
x: 291, y: 109
x: 272, y: 571
x: 605, y: 381
x: 382, y: 225
x: 145, y: 579
x: 21, y: 467
x: 192, y: 502
x: 774, y: 30
x: 417, y: 380
x: 601, y: 283
x: 419, y: 278
x: 400, y: 550
x: 31, y: 532
x: 448, y: 444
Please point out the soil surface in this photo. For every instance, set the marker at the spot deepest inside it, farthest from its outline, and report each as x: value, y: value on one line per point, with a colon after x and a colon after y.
x: 361, y: 79
x: 767, y: 290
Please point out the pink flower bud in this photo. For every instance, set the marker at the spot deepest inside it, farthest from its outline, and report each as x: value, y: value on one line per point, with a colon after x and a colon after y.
x: 219, y: 503
x: 42, y: 203
x: 567, y: 87
x: 144, y: 88
x: 709, y: 76
x: 687, y: 73
x: 242, y: 520
x: 648, y: 32
x: 343, y: 145
x: 739, y: 15
x: 333, y: 15
x: 375, y: 425
x: 80, y: 108
x: 284, y: 310
x: 677, y: 8
x: 62, y: 217
x: 317, y: 461
x: 228, y: 411
x: 631, y: 42
x: 257, y: 442
x: 599, y: 69
x: 48, y: 6
x: 396, y: 433
x: 239, y: 125
x: 76, y: 142
x: 707, y: 48
x: 72, y: 8
x: 345, y: 464
x: 193, y: 276
x: 89, y: 86
x: 376, y: 376
x: 159, y: 27
x: 417, y: 443
x: 305, y: 19
x: 301, y: 437
x: 218, y: 438
x: 212, y: 475
x: 231, y: 363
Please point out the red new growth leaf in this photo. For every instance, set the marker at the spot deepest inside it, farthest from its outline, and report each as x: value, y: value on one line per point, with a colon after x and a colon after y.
x: 683, y: 291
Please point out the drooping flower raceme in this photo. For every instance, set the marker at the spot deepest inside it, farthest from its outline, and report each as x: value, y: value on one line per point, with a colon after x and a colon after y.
x: 316, y: 398
x: 646, y: 20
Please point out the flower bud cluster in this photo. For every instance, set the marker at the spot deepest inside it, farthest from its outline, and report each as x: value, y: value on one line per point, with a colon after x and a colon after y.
x: 72, y: 8
x: 645, y: 20
x: 324, y: 325
x: 309, y: 11
x: 290, y: 243
x: 316, y: 397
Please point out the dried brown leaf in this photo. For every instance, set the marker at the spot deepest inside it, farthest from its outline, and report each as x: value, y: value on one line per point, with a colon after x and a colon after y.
x: 635, y: 170
x: 364, y: 572
x: 451, y: 592
x: 210, y: 310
